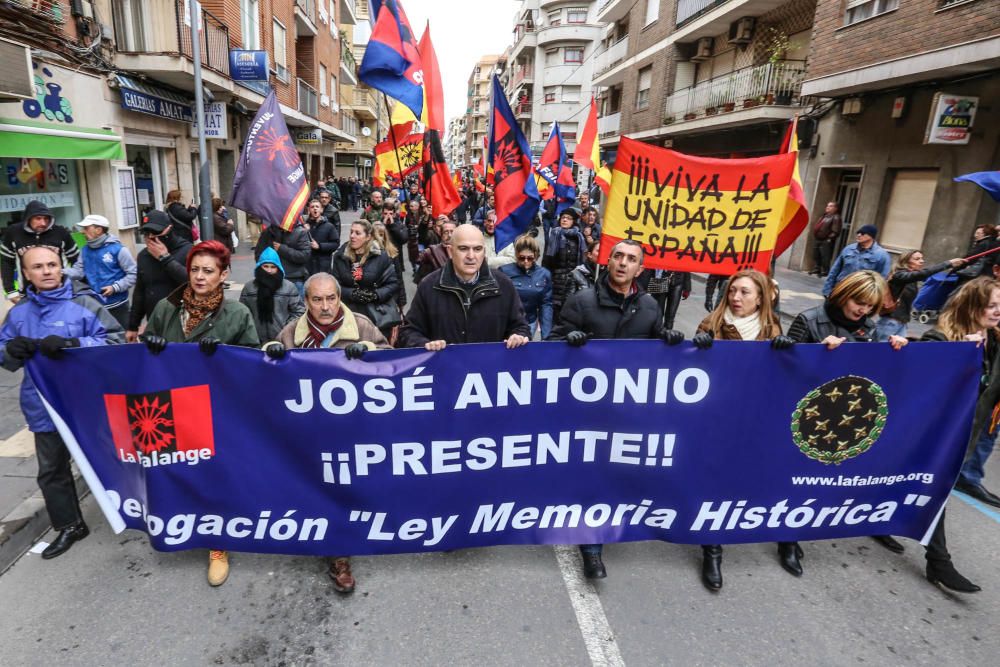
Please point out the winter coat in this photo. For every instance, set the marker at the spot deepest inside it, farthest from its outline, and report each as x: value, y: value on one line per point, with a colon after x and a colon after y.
x: 294, y: 251
x: 583, y: 277
x: 814, y: 325
x: 498, y: 259
x: 601, y: 314
x: 903, y: 285
x: 18, y: 237
x: 561, y: 264
x: 183, y: 219
x: 108, y: 265
x: 332, y: 213
x: 534, y: 287
x: 70, y: 311
x: 232, y: 323
x: 157, y: 278
x: 443, y: 310
x: 378, y: 274
x: 288, y: 306
x: 855, y: 258
x: 430, y: 260
x: 354, y: 329
x: 223, y: 229
x: 327, y: 235
x: 730, y: 332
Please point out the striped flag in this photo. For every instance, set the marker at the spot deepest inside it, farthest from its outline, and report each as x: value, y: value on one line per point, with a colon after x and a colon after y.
x: 796, y: 216
x: 588, y: 150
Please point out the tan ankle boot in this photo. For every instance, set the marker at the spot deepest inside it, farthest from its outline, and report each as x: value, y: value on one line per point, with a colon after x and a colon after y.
x: 218, y: 567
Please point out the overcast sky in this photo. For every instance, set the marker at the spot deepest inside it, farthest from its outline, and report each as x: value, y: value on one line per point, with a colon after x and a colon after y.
x: 462, y: 31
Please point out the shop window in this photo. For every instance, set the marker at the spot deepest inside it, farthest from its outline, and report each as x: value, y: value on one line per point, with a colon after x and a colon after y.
x: 908, y: 209
x: 645, y: 83
x: 859, y: 10
x: 572, y: 55
x: 53, y: 182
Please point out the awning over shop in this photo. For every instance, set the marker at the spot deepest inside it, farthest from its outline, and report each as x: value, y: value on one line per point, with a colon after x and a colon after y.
x: 25, y: 138
x: 154, y: 100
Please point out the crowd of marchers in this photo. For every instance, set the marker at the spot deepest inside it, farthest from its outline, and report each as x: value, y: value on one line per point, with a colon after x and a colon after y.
x: 311, y: 290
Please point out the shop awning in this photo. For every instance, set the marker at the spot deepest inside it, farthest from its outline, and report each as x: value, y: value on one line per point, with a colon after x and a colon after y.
x: 154, y: 100
x: 25, y: 138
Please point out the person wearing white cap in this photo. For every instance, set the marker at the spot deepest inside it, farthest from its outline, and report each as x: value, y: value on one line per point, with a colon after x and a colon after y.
x: 107, y: 265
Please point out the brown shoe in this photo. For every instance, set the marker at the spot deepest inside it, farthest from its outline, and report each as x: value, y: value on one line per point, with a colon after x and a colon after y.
x: 340, y: 574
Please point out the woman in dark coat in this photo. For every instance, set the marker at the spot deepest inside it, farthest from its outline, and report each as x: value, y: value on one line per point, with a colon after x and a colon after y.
x: 412, y: 222
x: 367, y: 277
x: 183, y: 218
x: 903, y: 280
x: 381, y: 235
x: 222, y: 225
x: 564, y: 251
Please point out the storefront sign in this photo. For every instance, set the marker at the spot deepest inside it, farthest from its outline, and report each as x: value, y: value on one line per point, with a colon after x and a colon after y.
x: 133, y: 100
x: 247, y: 65
x: 951, y: 119
x: 10, y: 203
x: 64, y: 98
x: 216, y: 122
x: 308, y: 137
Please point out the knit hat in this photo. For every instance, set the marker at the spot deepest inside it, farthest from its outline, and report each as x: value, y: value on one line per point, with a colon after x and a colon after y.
x: 868, y: 230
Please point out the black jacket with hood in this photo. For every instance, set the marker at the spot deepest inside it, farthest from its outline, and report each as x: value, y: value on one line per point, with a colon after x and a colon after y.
x: 20, y: 236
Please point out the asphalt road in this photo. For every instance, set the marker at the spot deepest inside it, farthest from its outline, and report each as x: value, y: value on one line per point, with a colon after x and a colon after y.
x: 112, y: 600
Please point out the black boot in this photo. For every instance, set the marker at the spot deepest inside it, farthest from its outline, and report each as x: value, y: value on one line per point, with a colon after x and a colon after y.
x: 789, y: 554
x: 711, y: 567
x: 944, y: 574
x: 65, y: 540
x: 890, y: 543
x: 593, y: 566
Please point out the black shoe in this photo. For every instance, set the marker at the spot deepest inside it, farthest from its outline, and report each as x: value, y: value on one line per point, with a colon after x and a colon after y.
x: 890, y: 543
x: 978, y: 492
x: 593, y: 566
x: 944, y: 574
x: 65, y: 540
x: 711, y: 567
x: 789, y: 554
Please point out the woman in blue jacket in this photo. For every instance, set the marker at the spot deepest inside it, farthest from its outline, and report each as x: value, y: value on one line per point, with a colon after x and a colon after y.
x: 533, y: 283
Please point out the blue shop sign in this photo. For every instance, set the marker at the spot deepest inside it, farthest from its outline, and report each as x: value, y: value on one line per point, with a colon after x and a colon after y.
x: 147, y: 98
x: 247, y: 65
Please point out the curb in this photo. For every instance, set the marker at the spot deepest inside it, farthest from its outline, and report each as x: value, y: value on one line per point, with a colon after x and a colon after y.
x: 26, y: 523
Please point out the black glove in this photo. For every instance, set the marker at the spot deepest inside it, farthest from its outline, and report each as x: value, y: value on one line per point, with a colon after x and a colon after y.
x: 364, y: 296
x: 576, y: 338
x: 780, y: 342
x: 208, y: 345
x: 52, y: 346
x: 355, y: 350
x: 672, y: 336
x: 275, y: 351
x: 702, y: 340
x: 155, y: 344
x: 21, y: 347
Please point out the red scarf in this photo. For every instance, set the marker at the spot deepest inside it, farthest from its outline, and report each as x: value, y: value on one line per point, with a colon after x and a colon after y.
x: 319, y: 332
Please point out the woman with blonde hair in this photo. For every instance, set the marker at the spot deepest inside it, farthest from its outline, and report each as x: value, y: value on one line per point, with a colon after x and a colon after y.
x: 898, y: 305
x: 382, y: 236
x: 367, y: 277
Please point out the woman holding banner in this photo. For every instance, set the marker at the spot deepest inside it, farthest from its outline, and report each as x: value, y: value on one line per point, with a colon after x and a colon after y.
x: 746, y: 313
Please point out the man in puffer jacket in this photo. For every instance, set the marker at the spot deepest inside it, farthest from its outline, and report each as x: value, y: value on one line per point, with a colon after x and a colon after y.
x: 53, y: 316
x: 273, y: 301
x: 39, y: 228
x: 107, y: 265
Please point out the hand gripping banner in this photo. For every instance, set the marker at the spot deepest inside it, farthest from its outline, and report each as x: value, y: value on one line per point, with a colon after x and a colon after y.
x: 476, y: 445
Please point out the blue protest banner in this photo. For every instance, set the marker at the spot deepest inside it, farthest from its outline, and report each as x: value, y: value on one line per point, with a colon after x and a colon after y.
x: 408, y: 450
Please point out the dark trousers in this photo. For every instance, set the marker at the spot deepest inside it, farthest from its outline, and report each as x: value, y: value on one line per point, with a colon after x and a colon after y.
x: 55, y: 479
x: 714, y: 284
x: 937, y: 547
x: 120, y: 313
x: 822, y: 253
x: 669, y: 302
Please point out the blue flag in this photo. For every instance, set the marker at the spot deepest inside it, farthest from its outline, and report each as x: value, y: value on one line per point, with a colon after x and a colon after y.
x: 987, y: 180
x: 514, y: 186
x: 392, y: 61
x: 270, y: 181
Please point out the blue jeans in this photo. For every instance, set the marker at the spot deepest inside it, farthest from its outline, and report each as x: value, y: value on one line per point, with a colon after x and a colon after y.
x: 973, y: 469
x: 591, y: 549
x: 888, y: 326
x: 301, y: 286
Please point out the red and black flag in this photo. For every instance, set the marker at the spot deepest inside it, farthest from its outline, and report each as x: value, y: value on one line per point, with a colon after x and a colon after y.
x: 438, y: 186
x: 161, y: 422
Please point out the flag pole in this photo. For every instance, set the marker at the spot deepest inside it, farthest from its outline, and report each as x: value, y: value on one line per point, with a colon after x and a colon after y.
x: 392, y: 135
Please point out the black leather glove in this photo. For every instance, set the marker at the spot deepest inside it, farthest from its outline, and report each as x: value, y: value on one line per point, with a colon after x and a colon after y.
x: 576, y: 338
x: 780, y: 342
x: 672, y: 336
x: 355, y: 350
x: 52, y: 346
x: 364, y: 296
x: 702, y: 340
x: 155, y: 344
x: 275, y: 351
x: 21, y: 347
x: 208, y: 345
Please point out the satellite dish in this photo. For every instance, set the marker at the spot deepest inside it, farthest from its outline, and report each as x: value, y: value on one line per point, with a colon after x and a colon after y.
x: 366, y: 132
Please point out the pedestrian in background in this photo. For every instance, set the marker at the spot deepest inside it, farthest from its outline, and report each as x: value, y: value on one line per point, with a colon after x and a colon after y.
x: 494, y: 258
x: 895, y: 313
x: 669, y: 288
x: 715, y: 291
x: 381, y: 235
x: 863, y: 255
x: 272, y: 300
x: 221, y: 224
x: 564, y: 251
x: 825, y: 235
x: 183, y: 218
x: 39, y: 228
x: 324, y: 238
x: 107, y: 265
x: 161, y: 267
x: 293, y: 247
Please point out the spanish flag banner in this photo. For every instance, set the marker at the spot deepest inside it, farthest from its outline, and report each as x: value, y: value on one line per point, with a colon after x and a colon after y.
x: 796, y: 215
x: 704, y: 215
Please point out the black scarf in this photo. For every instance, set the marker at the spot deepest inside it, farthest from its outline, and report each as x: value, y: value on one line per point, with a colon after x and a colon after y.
x: 857, y: 328
x: 267, y: 285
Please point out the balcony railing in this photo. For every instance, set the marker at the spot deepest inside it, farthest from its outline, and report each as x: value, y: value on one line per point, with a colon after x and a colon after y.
x: 609, y: 125
x: 611, y: 56
x: 308, y: 7
x: 214, y: 39
x: 50, y: 10
x: 689, y: 9
x: 521, y: 30
x: 522, y: 72
x: 772, y: 83
x: 364, y: 97
x: 307, y: 99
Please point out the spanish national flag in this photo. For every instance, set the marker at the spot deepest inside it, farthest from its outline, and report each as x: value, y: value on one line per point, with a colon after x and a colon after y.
x: 588, y: 150
x: 796, y: 215
x: 704, y: 215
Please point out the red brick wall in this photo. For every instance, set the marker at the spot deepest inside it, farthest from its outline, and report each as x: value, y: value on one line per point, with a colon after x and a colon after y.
x: 914, y: 27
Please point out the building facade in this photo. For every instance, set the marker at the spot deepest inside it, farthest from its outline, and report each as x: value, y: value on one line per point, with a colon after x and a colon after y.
x: 478, y: 106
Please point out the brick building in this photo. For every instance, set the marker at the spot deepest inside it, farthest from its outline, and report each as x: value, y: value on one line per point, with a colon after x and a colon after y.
x: 478, y: 106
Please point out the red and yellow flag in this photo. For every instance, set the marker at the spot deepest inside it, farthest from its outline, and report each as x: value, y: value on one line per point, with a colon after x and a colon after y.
x: 401, y: 154
x: 796, y: 216
x: 696, y: 214
x: 588, y: 149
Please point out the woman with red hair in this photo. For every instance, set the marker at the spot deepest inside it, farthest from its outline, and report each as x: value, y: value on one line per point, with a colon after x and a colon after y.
x: 197, y: 312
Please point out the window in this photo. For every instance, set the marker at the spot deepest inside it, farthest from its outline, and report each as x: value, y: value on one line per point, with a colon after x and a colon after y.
x: 555, y: 18
x: 322, y: 84
x: 573, y: 54
x: 652, y: 11
x: 550, y: 93
x: 334, y: 93
x: 552, y: 57
x: 333, y: 22
x: 130, y: 23
x: 250, y: 24
x: 280, y: 52
x: 645, y: 82
x: 571, y: 93
x: 859, y: 10
x: 576, y: 15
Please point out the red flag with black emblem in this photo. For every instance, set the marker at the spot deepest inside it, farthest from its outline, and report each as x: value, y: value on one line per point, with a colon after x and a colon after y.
x: 161, y: 422
x: 438, y: 186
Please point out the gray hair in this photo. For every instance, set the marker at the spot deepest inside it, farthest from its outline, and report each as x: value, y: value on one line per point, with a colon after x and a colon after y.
x: 318, y: 278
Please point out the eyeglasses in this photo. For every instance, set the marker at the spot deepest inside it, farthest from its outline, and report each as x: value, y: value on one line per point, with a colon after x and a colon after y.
x: 525, y: 258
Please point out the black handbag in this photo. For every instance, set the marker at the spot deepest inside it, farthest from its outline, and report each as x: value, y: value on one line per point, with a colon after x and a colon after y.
x: 385, y: 316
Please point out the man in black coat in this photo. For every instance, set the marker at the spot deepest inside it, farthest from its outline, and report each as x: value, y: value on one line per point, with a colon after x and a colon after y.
x: 294, y: 249
x: 465, y: 302
x: 330, y: 208
x: 616, y: 307
x: 160, y: 269
x: 39, y: 228
x: 324, y: 238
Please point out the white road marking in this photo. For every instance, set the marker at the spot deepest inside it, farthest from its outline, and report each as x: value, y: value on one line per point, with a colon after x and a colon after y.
x: 597, y: 635
x: 20, y: 445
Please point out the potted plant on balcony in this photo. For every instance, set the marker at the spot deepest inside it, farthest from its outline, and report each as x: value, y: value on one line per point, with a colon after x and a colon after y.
x: 776, y: 43
x: 668, y: 120
x: 690, y: 115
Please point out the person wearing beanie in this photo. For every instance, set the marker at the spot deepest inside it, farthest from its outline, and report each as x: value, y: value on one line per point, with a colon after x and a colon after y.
x: 39, y: 228
x: 864, y: 255
x: 107, y: 266
x: 273, y: 301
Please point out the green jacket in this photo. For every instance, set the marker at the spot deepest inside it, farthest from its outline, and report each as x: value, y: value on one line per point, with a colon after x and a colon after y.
x: 232, y: 323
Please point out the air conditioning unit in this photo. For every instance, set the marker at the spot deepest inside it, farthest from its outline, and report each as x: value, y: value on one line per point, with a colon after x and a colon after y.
x: 703, y: 49
x: 741, y: 31
x: 16, y: 80
x: 324, y: 100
